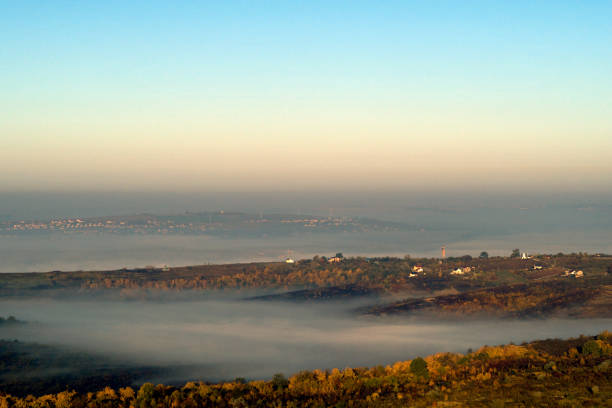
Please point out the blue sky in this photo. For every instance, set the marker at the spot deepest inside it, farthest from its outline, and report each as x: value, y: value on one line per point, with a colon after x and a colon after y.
x: 235, y: 95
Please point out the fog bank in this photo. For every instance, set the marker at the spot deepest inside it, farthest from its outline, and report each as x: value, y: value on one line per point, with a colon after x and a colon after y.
x: 221, y: 339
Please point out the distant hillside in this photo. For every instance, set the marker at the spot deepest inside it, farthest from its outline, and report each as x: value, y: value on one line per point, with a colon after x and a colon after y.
x: 218, y: 223
x: 568, y: 298
x: 328, y: 293
x: 323, y: 278
x: 10, y: 321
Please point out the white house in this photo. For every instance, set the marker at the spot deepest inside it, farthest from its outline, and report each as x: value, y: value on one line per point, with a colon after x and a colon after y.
x: 575, y: 274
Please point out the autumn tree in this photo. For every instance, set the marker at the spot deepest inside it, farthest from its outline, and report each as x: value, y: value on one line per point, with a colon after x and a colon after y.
x: 145, y: 396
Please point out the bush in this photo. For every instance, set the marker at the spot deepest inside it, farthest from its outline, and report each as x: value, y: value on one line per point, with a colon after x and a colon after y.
x: 605, y: 336
x: 591, y: 348
x: 418, y: 367
x: 280, y: 382
x: 145, y: 396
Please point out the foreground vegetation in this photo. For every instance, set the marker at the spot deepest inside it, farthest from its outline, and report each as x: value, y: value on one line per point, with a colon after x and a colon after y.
x: 564, y: 373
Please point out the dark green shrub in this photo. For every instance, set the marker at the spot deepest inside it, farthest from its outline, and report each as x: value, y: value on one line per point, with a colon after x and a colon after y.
x: 591, y: 348
x: 418, y: 367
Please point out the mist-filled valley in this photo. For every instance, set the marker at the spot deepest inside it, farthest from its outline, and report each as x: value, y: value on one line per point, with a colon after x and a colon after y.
x: 225, y: 337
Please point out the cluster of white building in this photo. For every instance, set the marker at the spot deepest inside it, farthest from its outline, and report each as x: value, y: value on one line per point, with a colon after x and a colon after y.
x: 575, y: 274
x: 416, y: 269
x: 462, y: 271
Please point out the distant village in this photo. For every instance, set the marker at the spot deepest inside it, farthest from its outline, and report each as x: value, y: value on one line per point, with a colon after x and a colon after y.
x: 194, y: 223
x: 463, y: 271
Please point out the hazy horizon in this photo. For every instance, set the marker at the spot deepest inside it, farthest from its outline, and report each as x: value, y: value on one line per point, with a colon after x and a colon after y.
x: 377, y: 204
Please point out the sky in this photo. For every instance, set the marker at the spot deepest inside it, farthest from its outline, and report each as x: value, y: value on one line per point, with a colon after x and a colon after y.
x: 263, y: 95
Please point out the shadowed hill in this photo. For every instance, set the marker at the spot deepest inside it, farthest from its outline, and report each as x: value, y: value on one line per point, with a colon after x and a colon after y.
x: 568, y: 298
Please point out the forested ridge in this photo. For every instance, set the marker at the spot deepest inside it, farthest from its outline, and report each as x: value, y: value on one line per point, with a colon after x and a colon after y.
x: 502, y: 286
x: 564, y: 373
x: 387, y: 274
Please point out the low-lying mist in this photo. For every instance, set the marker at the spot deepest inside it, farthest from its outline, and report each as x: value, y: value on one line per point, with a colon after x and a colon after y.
x: 217, y: 339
